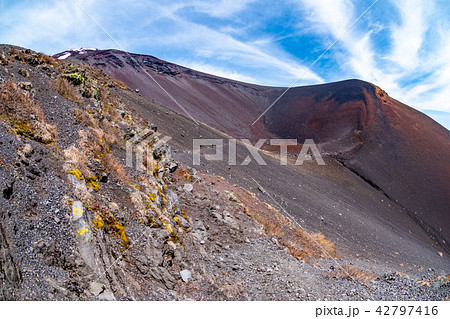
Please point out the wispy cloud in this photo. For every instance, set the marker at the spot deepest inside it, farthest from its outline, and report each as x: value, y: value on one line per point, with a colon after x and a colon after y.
x: 218, y: 45
x: 409, y: 64
x: 222, y: 72
x: 55, y: 24
x: 163, y: 25
x: 407, y: 37
x: 333, y: 15
x: 220, y: 9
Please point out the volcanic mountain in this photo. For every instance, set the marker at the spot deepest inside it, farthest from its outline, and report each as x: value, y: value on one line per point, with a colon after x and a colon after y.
x: 398, y: 151
x: 81, y: 219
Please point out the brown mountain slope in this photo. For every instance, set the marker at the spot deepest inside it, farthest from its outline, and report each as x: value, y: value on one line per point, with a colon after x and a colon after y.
x: 78, y: 223
x: 398, y: 151
x: 395, y: 148
x: 207, y: 98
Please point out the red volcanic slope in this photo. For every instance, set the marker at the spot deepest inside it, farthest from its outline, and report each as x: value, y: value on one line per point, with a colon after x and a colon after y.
x: 207, y: 98
x: 396, y: 149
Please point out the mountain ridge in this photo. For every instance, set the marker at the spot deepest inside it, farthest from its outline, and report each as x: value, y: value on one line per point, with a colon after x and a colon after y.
x: 382, y: 140
x: 78, y: 222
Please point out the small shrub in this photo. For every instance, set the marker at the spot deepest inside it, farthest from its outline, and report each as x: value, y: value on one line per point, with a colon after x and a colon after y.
x: 16, y: 104
x: 75, y: 78
x: 24, y: 73
x: 76, y: 161
x: 352, y: 273
x: 300, y: 244
x: 24, y: 116
x: 67, y: 90
x: 31, y: 58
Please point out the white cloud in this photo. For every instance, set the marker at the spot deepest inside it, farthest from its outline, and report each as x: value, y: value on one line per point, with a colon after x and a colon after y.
x: 62, y: 25
x: 410, y: 57
x: 58, y: 25
x: 411, y: 64
x: 334, y: 15
x: 433, y: 92
x: 209, y: 43
x: 222, y: 72
x: 221, y: 9
x: 421, y: 46
x: 408, y: 36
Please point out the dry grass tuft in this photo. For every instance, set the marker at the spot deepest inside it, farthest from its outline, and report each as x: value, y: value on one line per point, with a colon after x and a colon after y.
x: 352, y: 273
x: 300, y: 244
x: 24, y: 73
x: 103, y: 130
x: 44, y: 132
x: 91, y: 141
x: 76, y: 160
x: 66, y: 90
x: 111, y: 133
x: 47, y: 59
x: 113, y: 165
x: 120, y: 84
x: 138, y: 202
x: 95, y: 144
x: 4, y: 60
x: 17, y: 104
x: 24, y: 116
x: 84, y: 118
x: 31, y: 58
x: 110, y: 111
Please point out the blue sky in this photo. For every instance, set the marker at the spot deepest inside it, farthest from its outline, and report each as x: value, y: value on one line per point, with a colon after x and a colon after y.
x: 401, y: 45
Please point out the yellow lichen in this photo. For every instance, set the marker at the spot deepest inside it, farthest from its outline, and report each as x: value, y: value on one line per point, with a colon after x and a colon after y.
x: 82, y: 231
x: 23, y: 128
x: 98, y: 222
x: 155, y: 170
x: 173, y: 237
x: 121, y: 230
x: 76, y: 173
x: 92, y: 181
